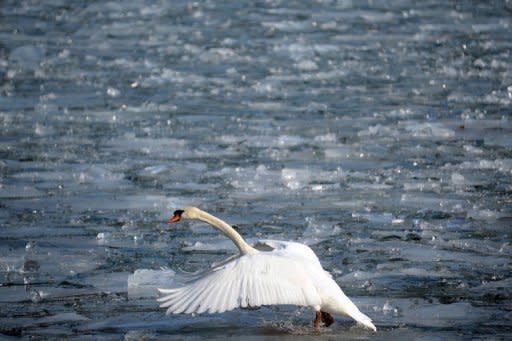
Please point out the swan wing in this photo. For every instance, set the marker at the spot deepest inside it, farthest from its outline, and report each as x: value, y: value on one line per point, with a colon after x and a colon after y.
x: 251, y: 280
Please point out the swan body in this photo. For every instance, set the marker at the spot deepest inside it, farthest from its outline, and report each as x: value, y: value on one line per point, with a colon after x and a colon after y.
x: 268, y: 273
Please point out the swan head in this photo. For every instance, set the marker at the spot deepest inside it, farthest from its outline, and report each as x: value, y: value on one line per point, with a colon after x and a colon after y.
x: 186, y: 213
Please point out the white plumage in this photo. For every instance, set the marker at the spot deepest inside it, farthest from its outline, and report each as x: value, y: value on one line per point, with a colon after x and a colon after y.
x: 284, y: 273
x: 248, y: 281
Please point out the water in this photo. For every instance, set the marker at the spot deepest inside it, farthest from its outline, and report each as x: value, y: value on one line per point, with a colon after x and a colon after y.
x: 377, y: 133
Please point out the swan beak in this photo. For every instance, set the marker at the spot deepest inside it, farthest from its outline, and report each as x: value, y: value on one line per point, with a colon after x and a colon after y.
x: 174, y: 219
x: 176, y: 216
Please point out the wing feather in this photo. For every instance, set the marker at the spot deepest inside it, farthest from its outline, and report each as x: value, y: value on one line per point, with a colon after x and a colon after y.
x: 180, y: 304
x: 243, y: 294
x: 230, y: 296
x: 192, y: 302
x: 199, y: 306
x: 253, y: 280
x: 214, y: 298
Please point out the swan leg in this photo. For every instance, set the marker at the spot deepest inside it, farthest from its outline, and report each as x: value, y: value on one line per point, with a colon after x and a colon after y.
x: 318, y: 317
x: 327, y: 318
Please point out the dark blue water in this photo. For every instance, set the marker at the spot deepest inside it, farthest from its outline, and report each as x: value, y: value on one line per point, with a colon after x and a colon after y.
x: 378, y: 133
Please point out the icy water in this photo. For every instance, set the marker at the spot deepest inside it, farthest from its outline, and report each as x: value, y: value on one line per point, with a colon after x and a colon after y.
x: 378, y: 133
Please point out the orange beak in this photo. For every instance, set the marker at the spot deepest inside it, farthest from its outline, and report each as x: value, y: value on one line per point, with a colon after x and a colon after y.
x: 174, y: 219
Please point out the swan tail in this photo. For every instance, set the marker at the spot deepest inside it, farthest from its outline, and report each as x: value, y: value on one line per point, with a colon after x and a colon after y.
x: 346, y: 307
x: 364, y: 320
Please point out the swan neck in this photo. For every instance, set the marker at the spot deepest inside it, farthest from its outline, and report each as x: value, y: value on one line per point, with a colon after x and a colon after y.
x: 228, y: 230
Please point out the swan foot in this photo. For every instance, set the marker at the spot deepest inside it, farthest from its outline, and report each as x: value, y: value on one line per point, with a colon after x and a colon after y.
x: 326, y: 318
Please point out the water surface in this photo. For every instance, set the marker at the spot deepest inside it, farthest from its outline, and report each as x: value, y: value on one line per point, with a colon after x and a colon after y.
x: 378, y: 133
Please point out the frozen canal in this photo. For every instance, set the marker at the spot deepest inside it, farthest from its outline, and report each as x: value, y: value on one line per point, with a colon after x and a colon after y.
x: 378, y: 133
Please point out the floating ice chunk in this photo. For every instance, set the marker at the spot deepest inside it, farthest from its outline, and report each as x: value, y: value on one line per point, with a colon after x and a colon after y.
x: 483, y: 214
x: 444, y: 315
x: 12, y: 263
x: 132, y: 202
x: 251, y: 180
x: 316, y: 232
x: 458, y: 179
x: 287, y: 26
x: 224, y: 52
x: 295, y: 178
x: 289, y: 141
x: 145, y: 282
x: 377, y: 17
x: 63, y: 317
x: 418, y: 272
x: 72, y: 265
x: 488, y: 286
x: 358, y: 276
x: 478, y: 246
x: 385, y: 271
x: 403, y: 112
x: 423, y: 187
x: 472, y: 149
x: 340, y: 152
x: 330, y: 25
x: 230, y: 139
x: 502, y: 165
x: 505, y: 248
x: 110, y: 282
x: 137, y: 335
x: 16, y: 293
x: 19, y: 191
x: 148, y: 145
x: 388, y: 308
x: 354, y: 204
x: 429, y: 130
x: 267, y: 106
x: 306, y: 65
x: 148, y: 202
x: 153, y: 172
x: 104, y: 237
x: 150, y: 106
x: 325, y: 138
x: 378, y: 130
x: 216, y: 246
x: 171, y: 76
x: 43, y: 130
x: 377, y: 218
x: 97, y: 174
x: 27, y: 57
x: 429, y: 226
x: 324, y: 187
x: 427, y: 202
x: 363, y: 186
x: 37, y: 296
x: 219, y: 54
x: 113, y: 92
x: 266, y: 86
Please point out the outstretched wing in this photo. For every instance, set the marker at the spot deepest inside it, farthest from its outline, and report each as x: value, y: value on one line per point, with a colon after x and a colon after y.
x: 251, y: 280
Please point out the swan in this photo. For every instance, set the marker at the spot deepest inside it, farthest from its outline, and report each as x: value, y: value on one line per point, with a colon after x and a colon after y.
x: 270, y: 272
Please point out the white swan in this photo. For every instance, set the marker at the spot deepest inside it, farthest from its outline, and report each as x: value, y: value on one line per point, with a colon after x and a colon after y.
x: 271, y: 272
